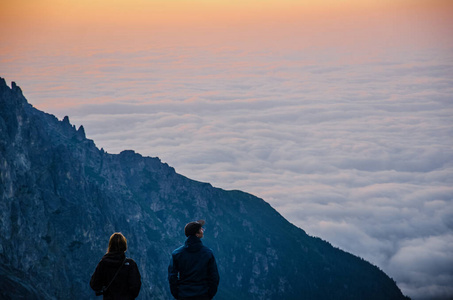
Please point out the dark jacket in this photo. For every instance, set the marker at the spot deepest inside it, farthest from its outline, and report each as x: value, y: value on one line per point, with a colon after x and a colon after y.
x: 127, y: 283
x: 193, y: 270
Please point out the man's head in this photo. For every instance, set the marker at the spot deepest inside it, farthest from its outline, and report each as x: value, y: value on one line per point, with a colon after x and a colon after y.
x: 194, y: 228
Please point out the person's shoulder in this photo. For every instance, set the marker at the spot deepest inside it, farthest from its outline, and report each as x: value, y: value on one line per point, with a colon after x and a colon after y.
x: 178, y: 250
x: 104, y: 260
x: 207, y: 250
x: 130, y: 262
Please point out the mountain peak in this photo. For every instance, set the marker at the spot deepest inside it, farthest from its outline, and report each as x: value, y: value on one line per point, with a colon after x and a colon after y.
x: 14, y: 87
x: 81, y: 132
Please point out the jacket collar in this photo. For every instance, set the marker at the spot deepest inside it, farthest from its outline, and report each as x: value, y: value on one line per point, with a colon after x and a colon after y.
x: 193, y: 243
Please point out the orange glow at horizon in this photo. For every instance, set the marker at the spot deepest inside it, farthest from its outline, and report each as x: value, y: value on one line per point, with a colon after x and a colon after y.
x: 166, y: 12
x: 71, y: 22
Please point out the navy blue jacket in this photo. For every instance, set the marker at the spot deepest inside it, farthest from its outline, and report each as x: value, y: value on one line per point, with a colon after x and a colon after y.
x: 193, y: 270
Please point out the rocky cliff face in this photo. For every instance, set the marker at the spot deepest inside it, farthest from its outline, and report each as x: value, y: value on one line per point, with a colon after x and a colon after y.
x: 61, y: 198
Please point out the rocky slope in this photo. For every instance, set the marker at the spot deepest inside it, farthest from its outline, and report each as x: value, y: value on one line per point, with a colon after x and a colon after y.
x: 61, y: 198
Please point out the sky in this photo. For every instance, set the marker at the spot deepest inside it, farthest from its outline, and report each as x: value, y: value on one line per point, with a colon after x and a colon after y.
x: 337, y: 113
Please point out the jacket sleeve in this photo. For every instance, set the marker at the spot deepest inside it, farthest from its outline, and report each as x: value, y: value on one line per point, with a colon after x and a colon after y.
x: 96, y: 282
x: 135, y: 281
x: 213, y: 277
x: 173, y: 278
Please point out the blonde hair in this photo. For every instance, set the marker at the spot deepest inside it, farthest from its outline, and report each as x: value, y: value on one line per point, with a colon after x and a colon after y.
x: 117, y: 243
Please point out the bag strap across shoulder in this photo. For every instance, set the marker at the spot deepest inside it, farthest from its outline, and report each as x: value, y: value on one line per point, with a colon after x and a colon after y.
x: 107, y: 287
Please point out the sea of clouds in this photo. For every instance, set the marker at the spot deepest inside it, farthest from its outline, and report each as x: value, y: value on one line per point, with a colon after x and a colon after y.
x: 354, y: 148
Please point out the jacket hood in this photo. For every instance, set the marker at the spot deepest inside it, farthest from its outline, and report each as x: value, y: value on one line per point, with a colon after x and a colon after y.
x: 193, y: 244
x: 114, y: 257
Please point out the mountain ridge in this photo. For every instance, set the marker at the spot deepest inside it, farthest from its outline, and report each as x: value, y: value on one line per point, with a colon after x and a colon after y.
x: 62, y: 197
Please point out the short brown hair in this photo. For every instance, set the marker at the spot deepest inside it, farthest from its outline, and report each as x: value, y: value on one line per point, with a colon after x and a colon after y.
x: 192, y: 228
x: 117, y: 243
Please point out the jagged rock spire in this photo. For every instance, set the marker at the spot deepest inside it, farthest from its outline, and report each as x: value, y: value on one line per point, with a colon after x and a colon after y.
x: 81, y: 131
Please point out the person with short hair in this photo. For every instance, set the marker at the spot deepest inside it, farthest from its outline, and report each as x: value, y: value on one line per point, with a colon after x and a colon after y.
x: 116, y: 277
x: 192, y: 272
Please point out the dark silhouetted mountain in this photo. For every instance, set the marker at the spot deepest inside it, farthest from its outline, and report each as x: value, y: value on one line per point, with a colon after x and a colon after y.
x: 61, y: 198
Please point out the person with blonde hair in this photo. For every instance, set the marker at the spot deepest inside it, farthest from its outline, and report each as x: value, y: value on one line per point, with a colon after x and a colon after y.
x: 116, y: 277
